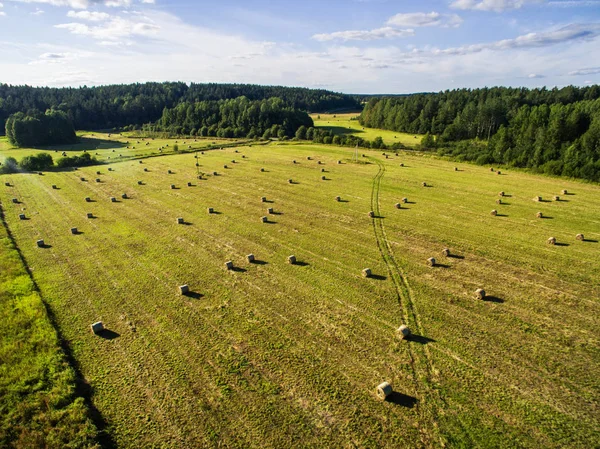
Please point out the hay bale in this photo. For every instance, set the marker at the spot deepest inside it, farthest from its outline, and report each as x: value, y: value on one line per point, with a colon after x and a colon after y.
x: 233, y: 161
x: 98, y: 180
x: 537, y: 198
x: 322, y: 170
x: 22, y: 217
x: 384, y: 390
x: 88, y: 199
x: 431, y: 261
x: 446, y: 252
x: 339, y: 162
x: 145, y: 169
x: 184, y: 289
x: 491, y: 168
x: 7, y: 184
x: 40, y: 243
x: 73, y: 230
x: 229, y: 265
x: 323, y: 178
x: 480, y: 293
x: 551, y: 241
x: 180, y: 220
x: 580, y: 237
x: 225, y: 166
x: 264, y: 219
x: 170, y: 172
x: 501, y: 193
x: 140, y: 183
x: 215, y: 173
x: 294, y: 162
x: 210, y: 210
x: 401, y: 165
x: 319, y: 162
x: 371, y: 214
x: 308, y: 158
x: 172, y: 186
x: 564, y: 192
x: 539, y: 215
x: 110, y: 169
x: 263, y: 199
x: 124, y: 196
x: 270, y: 210
x: 16, y: 201
x: 54, y: 186
x: 556, y: 198
x: 290, y: 181
x: 403, y: 332
x: 424, y: 184
x: 455, y: 168
x: 98, y: 173
x: 338, y: 199
x: 89, y: 215
x: 113, y: 199
x: 250, y: 258
x: 97, y: 327
x: 291, y: 260
x: 189, y: 184
x: 82, y: 179
x: 405, y: 200
x: 398, y: 206
x: 367, y: 272
x: 262, y: 170
x: 498, y: 201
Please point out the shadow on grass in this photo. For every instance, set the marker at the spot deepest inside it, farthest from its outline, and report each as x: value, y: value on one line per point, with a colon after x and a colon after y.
x: 193, y: 295
x: 301, y: 264
x: 590, y: 240
x: 403, y: 400
x: 259, y: 262
x: 88, y: 143
x: 271, y: 222
x: 441, y: 265
x: 238, y: 270
x: 493, y: 299
x: 341, y: 130
x: 45, y: 246
x: 562, y: 244
x: 107, y: 334
x: 501, y: 215
x: 276, y: 213
x: 546, y: 217
x: 420, y: 339
x: 456, y: 256
x: 78, y: 232
x: 378, y: 277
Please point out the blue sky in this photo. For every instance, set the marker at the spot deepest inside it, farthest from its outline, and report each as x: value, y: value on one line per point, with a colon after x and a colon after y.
x: 354, y: 46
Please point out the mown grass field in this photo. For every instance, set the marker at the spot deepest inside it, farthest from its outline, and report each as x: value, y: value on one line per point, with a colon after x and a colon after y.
x: 347, y: 123
x: 277, y: 355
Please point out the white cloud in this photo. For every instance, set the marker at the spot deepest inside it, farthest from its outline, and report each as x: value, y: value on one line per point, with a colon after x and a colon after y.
x: 586, y: 71
x: 535, y: 76
x: 148, y: 1
x: 574, y: 3
x: 364, y: 35
x: 113, y: 29
x: 423, y: 19
x: 492, y: 5
x: 2, y: 13
x: 37, y: 12
x: 92, y: 16
x: 80, y: 4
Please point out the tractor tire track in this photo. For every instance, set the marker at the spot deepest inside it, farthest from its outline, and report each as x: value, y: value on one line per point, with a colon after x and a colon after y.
x: 424, y: 372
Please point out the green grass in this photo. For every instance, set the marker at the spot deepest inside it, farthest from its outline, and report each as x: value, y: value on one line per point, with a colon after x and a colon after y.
x: 347, y: 123
x: 279, y: 355
x: 38, y: 403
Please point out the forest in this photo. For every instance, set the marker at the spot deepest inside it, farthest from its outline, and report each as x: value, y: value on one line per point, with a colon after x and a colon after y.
x: 239, y: 117
x: 34, y: 128
x: 553, y: 131
x: 116, y: 106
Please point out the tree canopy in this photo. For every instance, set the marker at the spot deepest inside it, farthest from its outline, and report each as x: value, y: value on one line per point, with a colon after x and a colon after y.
x: 35, y: 129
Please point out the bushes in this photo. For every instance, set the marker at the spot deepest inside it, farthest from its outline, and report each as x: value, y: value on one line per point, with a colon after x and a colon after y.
x: 37, y: 162
x: 76, y: 161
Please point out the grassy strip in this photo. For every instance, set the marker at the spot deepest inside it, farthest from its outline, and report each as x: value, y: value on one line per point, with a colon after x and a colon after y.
x: 38, y: 403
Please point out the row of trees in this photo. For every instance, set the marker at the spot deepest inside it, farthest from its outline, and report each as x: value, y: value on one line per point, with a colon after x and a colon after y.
x: 44, y: 161
x: 238, y: 117
x: 35, y: 129
x: 116, y: 106
x: 552, y: 131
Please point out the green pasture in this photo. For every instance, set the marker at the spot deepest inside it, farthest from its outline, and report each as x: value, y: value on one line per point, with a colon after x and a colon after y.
x: 347, y: 123
x: 271, y: 354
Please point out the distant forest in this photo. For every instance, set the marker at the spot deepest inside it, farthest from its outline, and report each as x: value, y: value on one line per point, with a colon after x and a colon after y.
x: 116, y: 106
x: 552, y: 131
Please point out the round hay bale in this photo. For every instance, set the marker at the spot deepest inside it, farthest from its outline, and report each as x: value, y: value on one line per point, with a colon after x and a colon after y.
x: 371, y: 214
x: 89, y: 215
x: 556, y: 198
x: 424, y: 184
x: 40, y: 243
x: 322, y: 170
x: 398, y: 205
x: 145, y: 169
x: 16, y: 201
x: 401, y: 165
x: 98, y: 173
x: 491, y: 168
x: 338, y: 199
x: 189, y: 184
x: 98, y: 180
x: 180, y: 220
x: 88, y: 199
x: 262, y: 170
x: 308, y: 158
x: 140, y: 183
x: 494, y: 212
x: 537, y: 198
x: 215, y: 173
x: 82, y: 179
x: 339, y: 162
x: 124, y: 196
x: 498, y: 172
x: 431, y: 261
x: 446, y: 252
x: 73, y: 230
x: 319, y: 162
x: 539, y: 215
x: 384, y: 390
x: 291, y: 260
x: 184, y: 289
x: 498, y: 201
x: 270, y: 210
x: 323, y: 178
x: 229, y: 265
x: 564, y: 192
x: 173, y: 186
x: 233, y: 161
x: 480, y: 293
x: 250, y: 258
x: 170, y: 172
x: 294, y: 162
x: 552, y: 241
x: 110, y: 169
x: 580, y: 237
x: 367, y: 272
x: 54, y: 186
x: 7, y: 184
x: 501, y: 193
x: 210, y: 210
x: 290, y: 181
x: 455, y: 168
x: 405, y: 200
x: 403, y: 332
x: 22, y: 217
x: 113, y: 199
x: 264, y: 219
x: 263, y: 199
x: 225, y: 166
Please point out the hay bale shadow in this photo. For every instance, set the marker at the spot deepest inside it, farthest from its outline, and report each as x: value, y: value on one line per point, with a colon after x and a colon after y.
x: 78, y: 232
x: 187, y: 223
x: 441, y: 265
x: 276, y: 213
x: 545, y: 217
x: 495, y: 299
x: 301, y: 264
x: 420, y: 339
x: 193, y: 295
x: 343, y: 201
x: 456, y: 256
x: 378, y: 277
x: 216, y: 212
x: 403, y: 400
x: 238, y: 269
x: 45, y: 246
x: 293, y: 182
x: 107, y: 334
x: 562, y: 244
x: 271, y: 222
x: 585, y: 240
x: 507, y: 196
x: 268, y: 201
x: 175, y: 188
x: 259, y: 262
x: 501, y: 215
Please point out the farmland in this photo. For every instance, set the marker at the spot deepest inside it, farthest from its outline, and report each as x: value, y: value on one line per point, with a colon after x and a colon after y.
x: 347, y: 123
x: 272, y: 354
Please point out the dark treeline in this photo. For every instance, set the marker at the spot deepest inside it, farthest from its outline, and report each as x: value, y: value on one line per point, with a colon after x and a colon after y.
x: 238, y: 117
x: 117, y: 106
x: 34, y: 128
x: 44, y: 161
x: 553, y: 131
